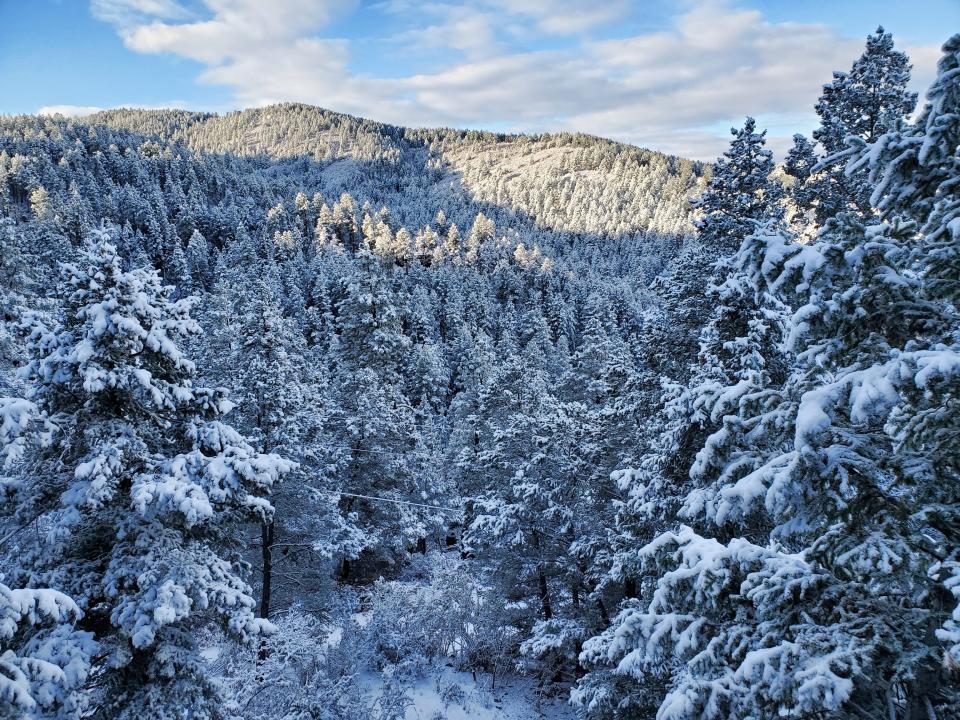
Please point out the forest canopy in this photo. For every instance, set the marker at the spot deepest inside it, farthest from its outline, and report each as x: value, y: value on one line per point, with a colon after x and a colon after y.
x: 298, y: 409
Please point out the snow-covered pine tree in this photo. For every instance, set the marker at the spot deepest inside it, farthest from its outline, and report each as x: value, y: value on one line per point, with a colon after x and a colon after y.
x: 271, y: 396
x: 844, y: 607
x: 740, y: 195
x: 737, y: 364
x: 44, y: 659
x: 864, y: 103
x: 131, y: 484
x: 741, y: 192
x: 915, y: 169
x: 369, y: 323
x: 372, y: 436
x: 481, y: 232
x: 606, y: 379
x: 371, y: 429
x: 176, y: 269
x: 529, y: 448
x: 198, y: 261
x: 867, y: 101
x: 799, y: 164
x: 14, y: 273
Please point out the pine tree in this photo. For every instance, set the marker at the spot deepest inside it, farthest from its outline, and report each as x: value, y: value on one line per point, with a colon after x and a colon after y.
x: 425, y: 245
x: 177, y: 270
x: 134, y: 480
x: 372, y: 428
x: 41, y: 205
x: 271, y: 398
x: 44, y: 660
x: 799, y: 164
x: 833, y: 514
x: 368, y: 319
x: 864, y: 103
x: 867, y: 101
x: 198, y: 261
x: 741, y: 195
x: 372, y: 436
x: 738, y: 201
x: 915, y: 169
x: 526, y: 524
x: 741, y: 191
x: 451, y: 244
x: 481, y: 232
x: 14, y: 275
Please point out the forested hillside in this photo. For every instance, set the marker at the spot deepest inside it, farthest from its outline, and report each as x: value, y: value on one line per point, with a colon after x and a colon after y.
x: 305, y: 416
x: 563, y: 182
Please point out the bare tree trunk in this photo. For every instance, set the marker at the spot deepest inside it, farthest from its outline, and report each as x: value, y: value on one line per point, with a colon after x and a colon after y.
x: 603, y: 611
x: 544, y: 593
x: 266, y: 550
x: 345, y: 563
x: 542, y: 580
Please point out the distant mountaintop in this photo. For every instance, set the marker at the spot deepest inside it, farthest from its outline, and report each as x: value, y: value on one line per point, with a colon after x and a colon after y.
x: 563, y: 181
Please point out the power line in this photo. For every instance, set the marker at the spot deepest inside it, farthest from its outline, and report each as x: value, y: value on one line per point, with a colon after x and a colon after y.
x: 542, y: 531
x: 434, y: 456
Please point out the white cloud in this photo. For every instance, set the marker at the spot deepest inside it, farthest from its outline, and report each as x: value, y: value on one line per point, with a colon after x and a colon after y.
x: 68, y: 110
x: 124, y: 13
x: 238, y: 28
x: 463, y: 28
x: 564, y: 17
x: 676, y: 89
x: 82, y: 110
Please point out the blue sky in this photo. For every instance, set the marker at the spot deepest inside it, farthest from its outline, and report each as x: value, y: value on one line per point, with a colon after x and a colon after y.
x: 668, y: 75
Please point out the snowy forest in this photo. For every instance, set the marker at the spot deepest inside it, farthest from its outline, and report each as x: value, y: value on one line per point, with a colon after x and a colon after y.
x: 309, y: 417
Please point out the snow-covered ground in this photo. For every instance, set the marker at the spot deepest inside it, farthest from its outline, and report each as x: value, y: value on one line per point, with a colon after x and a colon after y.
x: 452, y: 695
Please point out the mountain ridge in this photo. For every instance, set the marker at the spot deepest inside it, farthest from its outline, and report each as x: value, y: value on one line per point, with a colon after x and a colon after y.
x: 563, y: 180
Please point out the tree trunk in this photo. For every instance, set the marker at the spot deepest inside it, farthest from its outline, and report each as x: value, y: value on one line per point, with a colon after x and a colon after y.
x: 603, y: 611
x: 544, y: 593
x: 266, y: 549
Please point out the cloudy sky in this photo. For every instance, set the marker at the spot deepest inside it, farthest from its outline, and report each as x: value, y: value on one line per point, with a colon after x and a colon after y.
x: 673, y: 76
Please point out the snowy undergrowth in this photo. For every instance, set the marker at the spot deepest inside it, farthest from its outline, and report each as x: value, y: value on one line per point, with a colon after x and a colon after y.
x: 429, y: 645
x: 447, y: 694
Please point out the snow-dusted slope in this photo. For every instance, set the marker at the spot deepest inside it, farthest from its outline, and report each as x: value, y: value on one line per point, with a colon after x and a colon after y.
x: 565, y: 181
